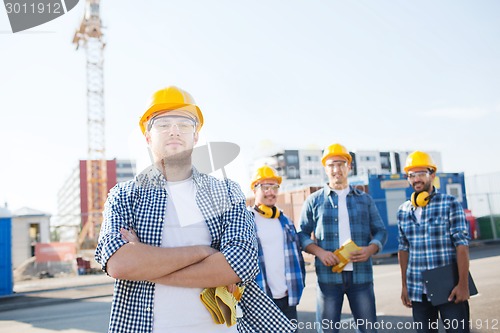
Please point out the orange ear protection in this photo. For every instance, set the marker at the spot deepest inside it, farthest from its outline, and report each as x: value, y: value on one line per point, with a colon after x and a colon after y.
x: 267, y: 212
x: 421, y: 199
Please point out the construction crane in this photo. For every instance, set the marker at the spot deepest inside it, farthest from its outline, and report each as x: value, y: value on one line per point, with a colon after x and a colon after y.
x: 90, y: 36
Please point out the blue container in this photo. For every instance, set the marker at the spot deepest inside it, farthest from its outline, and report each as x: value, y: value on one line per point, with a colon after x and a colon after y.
x: 389, y: 191
x: 5, y: 252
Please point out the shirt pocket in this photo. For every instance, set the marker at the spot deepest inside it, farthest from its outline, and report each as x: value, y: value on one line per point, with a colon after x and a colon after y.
x: 438, y: 228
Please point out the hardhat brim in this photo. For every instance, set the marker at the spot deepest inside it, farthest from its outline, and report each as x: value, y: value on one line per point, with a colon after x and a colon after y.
x: 408, y: 168
x: 279, y: 179
x: 166, y: 107
x: 347, y: 156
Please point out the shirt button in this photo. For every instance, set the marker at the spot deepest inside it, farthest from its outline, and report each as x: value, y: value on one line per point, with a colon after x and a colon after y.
x: 148, y: 309
x: 160, y: 219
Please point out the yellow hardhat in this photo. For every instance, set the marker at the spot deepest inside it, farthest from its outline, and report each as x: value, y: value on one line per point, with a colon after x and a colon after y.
x: 265, y: 172
x: 419, y: 159
x: 168, y: 99
x: 335, y: 149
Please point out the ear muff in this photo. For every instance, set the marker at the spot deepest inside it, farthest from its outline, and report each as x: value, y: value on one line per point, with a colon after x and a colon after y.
x: 267, y: 212
x: 421, y: 199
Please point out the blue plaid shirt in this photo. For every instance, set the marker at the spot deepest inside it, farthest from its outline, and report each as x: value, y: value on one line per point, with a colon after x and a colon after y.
x: 140, y: 204
x: 320, y: 217
x: 295, y: 272
x: 432, y: 242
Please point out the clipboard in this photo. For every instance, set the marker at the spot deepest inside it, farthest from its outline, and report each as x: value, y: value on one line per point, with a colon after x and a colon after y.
x: 440, y: 282
x: 344, y: 254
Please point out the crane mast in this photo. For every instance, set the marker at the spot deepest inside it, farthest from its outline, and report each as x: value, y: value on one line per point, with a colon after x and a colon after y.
x: 89, y: 35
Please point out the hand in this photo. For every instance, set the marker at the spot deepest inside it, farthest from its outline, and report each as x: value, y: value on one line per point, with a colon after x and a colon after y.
x: 459, y: 294
x: 129, y: 235
x: 236, y: 291
x: 328, y: 258
x: 404, y: 297
x: 364, y: 254
x: 231, y: 288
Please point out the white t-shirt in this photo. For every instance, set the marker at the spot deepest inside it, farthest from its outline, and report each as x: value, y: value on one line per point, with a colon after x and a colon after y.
x: 271, y: 239
x: 344, y: 226
x: 179, y: 309
x: 418, y: 214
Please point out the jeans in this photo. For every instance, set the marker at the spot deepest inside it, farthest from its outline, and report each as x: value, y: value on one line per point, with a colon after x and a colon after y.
x: 330, y: 298
x: 289, y: 311
x: 455, y: 317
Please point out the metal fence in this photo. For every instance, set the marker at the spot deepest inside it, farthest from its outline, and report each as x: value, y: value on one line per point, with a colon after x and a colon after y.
x: 485, y: 207
x: 483, y: 197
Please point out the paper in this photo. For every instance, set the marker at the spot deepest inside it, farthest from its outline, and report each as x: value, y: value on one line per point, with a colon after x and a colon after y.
x: 344, y: 254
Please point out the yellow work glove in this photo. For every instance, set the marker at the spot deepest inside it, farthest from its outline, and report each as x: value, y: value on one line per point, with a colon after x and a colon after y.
x: 344, y: 254
x: 222, y: 304
x: 207, y: 297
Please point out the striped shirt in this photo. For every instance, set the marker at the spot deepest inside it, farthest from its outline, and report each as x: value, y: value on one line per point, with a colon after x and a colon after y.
x: 294, y: 263
x: 320, y: 217
x: 140, y: 204
x: 431, y: 242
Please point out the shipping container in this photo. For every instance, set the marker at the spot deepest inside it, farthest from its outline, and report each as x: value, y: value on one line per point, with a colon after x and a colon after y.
x: 389, y: 191
x: 6, y: 284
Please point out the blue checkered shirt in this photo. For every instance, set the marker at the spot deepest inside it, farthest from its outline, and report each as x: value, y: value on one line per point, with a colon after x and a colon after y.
x: 432, y: 242
x: 320, y: 218
x: 140, y: 204
x: 295, y: 273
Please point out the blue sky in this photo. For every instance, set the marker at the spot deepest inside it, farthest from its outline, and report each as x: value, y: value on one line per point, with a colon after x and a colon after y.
x: 373, y: 75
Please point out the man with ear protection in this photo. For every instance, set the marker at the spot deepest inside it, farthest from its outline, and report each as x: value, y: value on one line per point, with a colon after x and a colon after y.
x: 331, y: 217
x: 433, y: 232
x: 282, y: 271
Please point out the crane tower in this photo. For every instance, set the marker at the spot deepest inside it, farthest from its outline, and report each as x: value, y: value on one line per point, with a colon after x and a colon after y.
x: 89, y: 35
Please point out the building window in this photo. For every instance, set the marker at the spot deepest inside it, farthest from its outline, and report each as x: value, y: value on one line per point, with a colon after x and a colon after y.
x: 368, y: 158
x: 292, y: 173
x: 312, y: 172
x: 312, y: 158
x: 292, y: 159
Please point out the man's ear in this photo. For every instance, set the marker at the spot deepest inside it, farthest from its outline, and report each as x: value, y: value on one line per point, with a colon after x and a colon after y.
x: 148, y: 137
x: 195, y: 138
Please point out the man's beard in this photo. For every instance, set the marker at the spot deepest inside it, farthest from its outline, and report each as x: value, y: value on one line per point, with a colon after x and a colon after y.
x: 427, y: 187
x: 179, y: 159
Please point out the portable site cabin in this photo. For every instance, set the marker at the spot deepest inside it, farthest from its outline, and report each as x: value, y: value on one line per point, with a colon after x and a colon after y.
x: 6, y: 283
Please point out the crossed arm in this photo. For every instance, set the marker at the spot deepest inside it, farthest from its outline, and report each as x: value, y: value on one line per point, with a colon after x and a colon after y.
x: 189, y: 266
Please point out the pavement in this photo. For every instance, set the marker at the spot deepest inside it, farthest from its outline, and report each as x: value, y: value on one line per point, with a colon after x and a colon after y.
x: 40, y: 292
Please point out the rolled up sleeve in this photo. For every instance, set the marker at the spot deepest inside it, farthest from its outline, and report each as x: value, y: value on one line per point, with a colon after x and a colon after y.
x: 459, y: 226
x: 239, y: 241
x: 110, y: 239
x: 306, y: 226
x: 377, y: 227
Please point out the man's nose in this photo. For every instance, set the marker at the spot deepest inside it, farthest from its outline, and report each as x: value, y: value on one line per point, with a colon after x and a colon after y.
x: 174, y: 130
x: 336, y: 168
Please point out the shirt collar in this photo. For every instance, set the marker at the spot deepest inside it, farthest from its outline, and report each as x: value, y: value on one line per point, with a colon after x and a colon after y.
x: 154, y: 176
x: 329, y: 190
